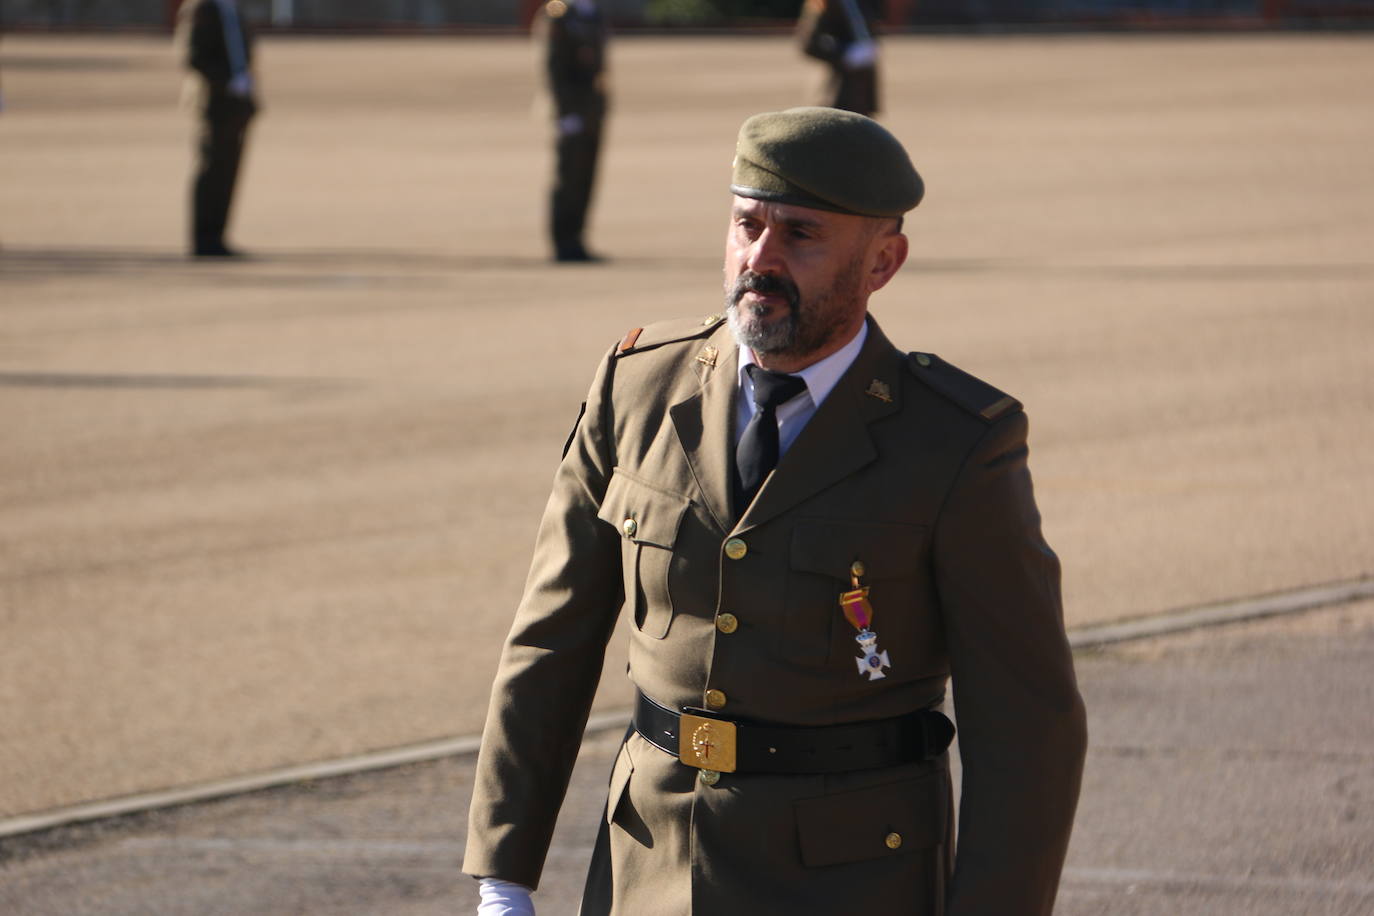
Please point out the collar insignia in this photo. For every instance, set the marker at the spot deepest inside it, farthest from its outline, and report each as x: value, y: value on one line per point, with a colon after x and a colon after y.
x: 707, y: 356
x: 878, y: 389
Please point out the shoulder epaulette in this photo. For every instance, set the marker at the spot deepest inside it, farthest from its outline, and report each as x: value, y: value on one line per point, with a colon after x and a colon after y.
x: 665, y: 332
x: 969, y: 392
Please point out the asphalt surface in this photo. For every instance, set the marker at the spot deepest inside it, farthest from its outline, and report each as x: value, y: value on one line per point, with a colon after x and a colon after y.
x: 260, y: 514
x: 1230, y: 773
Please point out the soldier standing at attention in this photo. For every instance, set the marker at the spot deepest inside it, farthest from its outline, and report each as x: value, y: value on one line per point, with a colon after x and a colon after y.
x: 574, y: 32
x: 841, y: 33
x: 219, y: 49
x: 810, y: 532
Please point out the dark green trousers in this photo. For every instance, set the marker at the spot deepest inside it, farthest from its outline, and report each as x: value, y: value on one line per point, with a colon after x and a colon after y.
x: 224, y: 128
x: 574, y: 179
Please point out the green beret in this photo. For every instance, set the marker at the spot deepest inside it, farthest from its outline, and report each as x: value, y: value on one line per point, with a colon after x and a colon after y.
x: 827, y: 159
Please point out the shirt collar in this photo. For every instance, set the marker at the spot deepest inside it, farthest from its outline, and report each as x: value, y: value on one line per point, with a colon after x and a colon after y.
x: 820, y: 377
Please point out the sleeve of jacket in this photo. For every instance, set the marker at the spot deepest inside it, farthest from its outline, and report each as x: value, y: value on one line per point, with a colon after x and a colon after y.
x: 1022, y: 731
x: 551, y: 662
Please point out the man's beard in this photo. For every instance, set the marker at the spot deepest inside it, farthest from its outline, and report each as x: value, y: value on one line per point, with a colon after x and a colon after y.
x: 808, y: 325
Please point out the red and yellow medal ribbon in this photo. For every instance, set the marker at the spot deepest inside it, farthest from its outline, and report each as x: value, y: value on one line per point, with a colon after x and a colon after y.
x: 854, y: 603
x: 857, y: 610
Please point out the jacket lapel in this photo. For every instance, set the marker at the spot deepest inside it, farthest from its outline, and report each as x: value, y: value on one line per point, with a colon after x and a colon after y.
x: 705, y: 425
x: 836, y: 442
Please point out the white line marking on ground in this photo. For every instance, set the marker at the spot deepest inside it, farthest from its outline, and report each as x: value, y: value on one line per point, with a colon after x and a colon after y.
x: 361, y: 763
x: 1301, y: 599
x: 1149, y: 876
x: 333, y: 849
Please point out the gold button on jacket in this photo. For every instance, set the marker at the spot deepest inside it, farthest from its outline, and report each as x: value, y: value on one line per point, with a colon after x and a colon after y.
x: 928, y: 489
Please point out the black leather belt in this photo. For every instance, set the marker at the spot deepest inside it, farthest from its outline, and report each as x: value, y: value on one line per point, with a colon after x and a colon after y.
x: 704, y: 740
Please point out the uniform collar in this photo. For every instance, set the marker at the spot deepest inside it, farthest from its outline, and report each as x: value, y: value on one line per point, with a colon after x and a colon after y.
x: 820, y: 377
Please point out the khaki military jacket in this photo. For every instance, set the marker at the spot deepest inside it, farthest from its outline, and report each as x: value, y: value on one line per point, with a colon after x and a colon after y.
x: 910, y: 466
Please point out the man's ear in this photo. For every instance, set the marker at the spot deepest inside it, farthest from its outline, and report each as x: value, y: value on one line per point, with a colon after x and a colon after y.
x: 889, y: 254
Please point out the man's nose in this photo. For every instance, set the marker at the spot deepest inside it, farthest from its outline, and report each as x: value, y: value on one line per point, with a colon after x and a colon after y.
x: 763, y: 256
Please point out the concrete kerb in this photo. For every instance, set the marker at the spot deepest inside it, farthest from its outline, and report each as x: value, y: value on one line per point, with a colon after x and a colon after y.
x: 1242, y: 609
x: 1245, y: 609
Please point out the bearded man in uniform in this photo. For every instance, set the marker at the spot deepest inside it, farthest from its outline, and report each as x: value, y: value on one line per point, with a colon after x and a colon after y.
x: 813, y: 533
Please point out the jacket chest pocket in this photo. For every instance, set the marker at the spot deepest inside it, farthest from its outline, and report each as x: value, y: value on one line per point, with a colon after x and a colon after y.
x: 822, y: 558
x: 648, y: 520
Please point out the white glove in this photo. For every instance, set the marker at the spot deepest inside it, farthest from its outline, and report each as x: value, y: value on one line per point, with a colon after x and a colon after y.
x: 504, y: 898
x: 569, y: 125
x: 241, y: 84
x: 859, y: 55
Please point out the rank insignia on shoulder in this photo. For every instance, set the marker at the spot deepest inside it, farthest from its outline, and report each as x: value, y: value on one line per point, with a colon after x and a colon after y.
x: 879, y: 389
x: 998, y: 407
x: 972, y: 394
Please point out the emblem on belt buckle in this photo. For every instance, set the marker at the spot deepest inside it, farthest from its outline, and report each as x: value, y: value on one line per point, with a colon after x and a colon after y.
x: 707, y: 744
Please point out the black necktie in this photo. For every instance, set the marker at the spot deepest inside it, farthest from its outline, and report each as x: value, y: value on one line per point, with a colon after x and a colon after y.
x: 757, y: 452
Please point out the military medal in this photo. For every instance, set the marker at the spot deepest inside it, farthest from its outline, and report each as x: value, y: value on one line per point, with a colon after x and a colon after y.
x: 859, y: 612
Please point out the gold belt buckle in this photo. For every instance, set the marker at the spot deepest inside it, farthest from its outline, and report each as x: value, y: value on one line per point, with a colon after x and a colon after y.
x: 707, y: 744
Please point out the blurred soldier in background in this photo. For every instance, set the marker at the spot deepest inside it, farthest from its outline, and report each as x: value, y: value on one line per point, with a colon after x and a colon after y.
x: 574, y: 32
x: 840, y: 32
x: 218, y: 47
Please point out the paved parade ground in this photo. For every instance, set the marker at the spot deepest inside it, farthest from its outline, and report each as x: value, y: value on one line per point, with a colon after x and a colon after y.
x: 1223, y: 780
x: 261, y: 514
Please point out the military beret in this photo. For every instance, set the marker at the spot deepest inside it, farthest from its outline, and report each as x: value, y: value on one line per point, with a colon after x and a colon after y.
x: 827, y: 159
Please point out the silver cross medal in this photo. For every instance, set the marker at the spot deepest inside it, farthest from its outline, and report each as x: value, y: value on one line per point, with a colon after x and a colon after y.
x: 873, y: 661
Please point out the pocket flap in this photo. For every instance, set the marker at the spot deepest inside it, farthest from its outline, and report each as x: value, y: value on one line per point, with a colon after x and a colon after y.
x: 641, y: 512
x: 889, y: 550
x: 885, y: 820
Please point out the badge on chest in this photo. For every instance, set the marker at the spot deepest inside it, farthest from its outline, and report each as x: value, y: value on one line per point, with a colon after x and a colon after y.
x: 859, y: 612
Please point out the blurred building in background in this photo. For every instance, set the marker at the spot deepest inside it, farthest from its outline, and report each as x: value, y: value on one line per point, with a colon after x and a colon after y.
x: 447, y: 15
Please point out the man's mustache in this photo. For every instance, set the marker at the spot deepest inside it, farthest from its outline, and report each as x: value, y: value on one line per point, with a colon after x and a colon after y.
x: 764, y: 284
